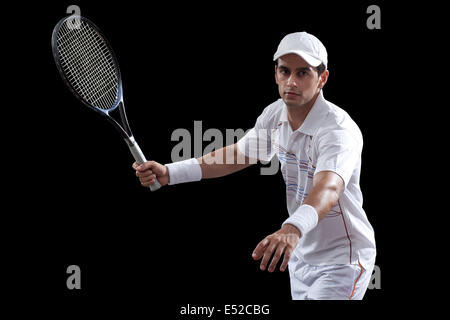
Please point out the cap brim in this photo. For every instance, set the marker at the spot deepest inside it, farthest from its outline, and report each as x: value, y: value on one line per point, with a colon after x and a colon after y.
x: 314, y: 62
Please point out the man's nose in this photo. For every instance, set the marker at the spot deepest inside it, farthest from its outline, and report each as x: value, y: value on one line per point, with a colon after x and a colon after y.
x: 291, y: 81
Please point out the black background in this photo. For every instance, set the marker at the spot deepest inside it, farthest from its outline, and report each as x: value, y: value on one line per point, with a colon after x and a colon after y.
x: 75, y: 197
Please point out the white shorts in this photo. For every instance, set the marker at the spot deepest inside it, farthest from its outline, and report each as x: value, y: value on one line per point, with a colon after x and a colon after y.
x: 329, y: 282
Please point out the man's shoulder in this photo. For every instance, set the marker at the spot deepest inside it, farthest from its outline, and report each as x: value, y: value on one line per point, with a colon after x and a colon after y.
x: 271, y: 113
x: 274, y: 108
x: 338, y: 119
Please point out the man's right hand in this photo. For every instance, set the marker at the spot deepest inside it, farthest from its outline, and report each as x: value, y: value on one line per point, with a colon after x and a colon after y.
x: 151, y: 170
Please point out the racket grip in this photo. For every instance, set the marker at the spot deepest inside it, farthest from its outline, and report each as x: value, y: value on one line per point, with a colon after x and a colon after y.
x: 140, y: 159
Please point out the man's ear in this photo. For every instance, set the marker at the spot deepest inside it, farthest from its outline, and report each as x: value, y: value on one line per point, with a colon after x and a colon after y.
x: 323, y: 79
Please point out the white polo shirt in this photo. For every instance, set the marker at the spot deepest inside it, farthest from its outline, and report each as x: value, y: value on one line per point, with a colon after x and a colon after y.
x: 328, y: 140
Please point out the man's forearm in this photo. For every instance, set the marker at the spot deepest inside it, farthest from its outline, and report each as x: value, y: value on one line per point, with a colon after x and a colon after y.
x: 327, y: 186
x: 325, y: 194
x: 223, y: 162
x: 322, y: 200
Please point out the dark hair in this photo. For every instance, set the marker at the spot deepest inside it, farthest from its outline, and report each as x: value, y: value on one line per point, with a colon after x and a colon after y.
x: 320, y: 68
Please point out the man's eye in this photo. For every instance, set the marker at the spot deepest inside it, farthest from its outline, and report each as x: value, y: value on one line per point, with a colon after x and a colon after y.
x: 302, y: 73
x: 283, y: 71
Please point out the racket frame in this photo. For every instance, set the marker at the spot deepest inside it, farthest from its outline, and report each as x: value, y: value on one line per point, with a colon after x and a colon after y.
x: 123, y: 129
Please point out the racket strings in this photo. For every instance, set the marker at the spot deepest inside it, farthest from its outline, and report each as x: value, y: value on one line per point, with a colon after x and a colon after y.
x: 90, y: 69
x: 88, y: 64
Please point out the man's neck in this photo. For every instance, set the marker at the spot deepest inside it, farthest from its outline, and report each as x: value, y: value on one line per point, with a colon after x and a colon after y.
x: 298, y: 114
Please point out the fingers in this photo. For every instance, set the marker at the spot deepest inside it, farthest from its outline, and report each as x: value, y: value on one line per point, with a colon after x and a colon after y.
x: 144, y: 166
x: 287, y: 257
x: 272, y: 248
x: 144, y: 173
x: 265, y: 250
x: 146, y: 178
x: 259, y: 250
x: 267, y: 254
x: 146, y: 182
x: 276, y: 257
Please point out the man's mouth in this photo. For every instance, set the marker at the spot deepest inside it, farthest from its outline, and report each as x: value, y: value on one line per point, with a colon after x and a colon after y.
x: 291, y: 94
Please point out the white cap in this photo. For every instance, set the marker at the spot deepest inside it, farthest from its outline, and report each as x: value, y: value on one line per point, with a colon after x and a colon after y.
x: 306, y: 46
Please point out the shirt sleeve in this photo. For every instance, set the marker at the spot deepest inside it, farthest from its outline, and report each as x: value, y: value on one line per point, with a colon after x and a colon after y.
x: 338, y: 151
x: 256, y: 144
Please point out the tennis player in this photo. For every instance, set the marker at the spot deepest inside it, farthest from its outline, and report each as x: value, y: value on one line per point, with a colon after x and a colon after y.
x: 327, y: 243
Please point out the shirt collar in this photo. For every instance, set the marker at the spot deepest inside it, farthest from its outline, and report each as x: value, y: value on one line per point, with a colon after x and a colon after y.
x: 314, y: 118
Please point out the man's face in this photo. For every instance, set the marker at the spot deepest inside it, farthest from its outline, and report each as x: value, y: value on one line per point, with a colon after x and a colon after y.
x: 298, y: 82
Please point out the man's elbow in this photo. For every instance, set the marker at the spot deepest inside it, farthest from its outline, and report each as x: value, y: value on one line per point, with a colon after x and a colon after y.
x: 333, y: 185
x: 334, y: 192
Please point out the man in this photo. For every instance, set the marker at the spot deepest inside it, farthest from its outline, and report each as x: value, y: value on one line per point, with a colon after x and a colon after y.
x: 327, y: 243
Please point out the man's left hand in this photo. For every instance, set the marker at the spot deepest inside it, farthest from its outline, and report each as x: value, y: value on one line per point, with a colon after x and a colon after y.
x: 282, y: 242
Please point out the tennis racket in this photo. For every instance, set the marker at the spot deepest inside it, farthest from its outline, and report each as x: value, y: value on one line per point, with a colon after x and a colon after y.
x: 89, y: 67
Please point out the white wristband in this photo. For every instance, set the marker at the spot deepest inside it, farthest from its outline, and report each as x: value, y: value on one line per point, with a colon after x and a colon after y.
x: 184, y: 171
x: 305, y: 218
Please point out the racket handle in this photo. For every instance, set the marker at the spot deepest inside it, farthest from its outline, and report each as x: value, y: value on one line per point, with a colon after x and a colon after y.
x: 140, y: 159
